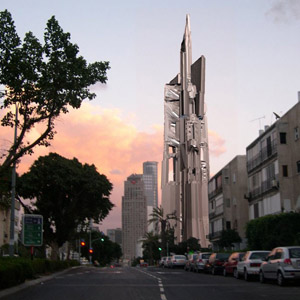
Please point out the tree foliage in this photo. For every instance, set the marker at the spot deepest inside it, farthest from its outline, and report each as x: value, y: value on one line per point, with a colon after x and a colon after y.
x: 42, y: 81
x: 151, y: 245
x: 272, y: 231
x: 162, y: 223
x: 67, y: 194
x: 228, y: 238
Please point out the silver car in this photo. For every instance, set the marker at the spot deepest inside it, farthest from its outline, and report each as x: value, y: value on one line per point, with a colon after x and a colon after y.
x: 282, y: 264
x: 201, y: 261
x: 250, y: 264
x: 177, y: 261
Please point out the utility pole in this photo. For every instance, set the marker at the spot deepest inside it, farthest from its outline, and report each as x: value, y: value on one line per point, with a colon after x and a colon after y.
x: 13, y: 195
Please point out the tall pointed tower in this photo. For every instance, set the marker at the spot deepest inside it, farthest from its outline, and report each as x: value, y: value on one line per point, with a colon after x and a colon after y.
x: 185, y: 166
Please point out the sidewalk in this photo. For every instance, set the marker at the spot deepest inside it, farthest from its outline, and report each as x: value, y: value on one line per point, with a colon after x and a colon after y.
x: 29, y: 283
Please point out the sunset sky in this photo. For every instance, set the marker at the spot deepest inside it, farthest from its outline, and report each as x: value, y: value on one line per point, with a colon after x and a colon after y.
x: 252, y: 70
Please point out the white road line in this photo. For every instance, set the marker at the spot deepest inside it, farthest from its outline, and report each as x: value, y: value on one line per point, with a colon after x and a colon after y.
x: 163, y: 297
x: 162, y: 290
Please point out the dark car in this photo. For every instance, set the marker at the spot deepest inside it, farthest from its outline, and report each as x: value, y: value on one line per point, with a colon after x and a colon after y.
x: 230, y: 265
x: 216, y: 262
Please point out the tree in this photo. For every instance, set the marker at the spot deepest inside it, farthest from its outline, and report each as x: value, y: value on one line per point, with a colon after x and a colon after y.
x: 67, y: 194
x: 228, y: 238
x: 151, y: 247
x: 42, y: 81
x: 158, y: 218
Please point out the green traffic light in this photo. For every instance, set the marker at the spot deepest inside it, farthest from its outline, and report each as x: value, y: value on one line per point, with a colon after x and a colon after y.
x: 102, y: 240
x: 159, y: 249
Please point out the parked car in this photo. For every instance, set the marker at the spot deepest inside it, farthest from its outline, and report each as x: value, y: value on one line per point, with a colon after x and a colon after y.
x: 167, y: 263
x: 190, y: 262
x: 162, y: 261
x: 282, y: 264
x: 216, y: 262
x: 177, y: 261
x: 250, y: 264
x: 230, y: 265
x: 201, y: 261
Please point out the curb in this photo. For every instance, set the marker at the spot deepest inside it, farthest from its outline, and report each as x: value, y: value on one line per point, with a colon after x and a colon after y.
x: 29, y: 283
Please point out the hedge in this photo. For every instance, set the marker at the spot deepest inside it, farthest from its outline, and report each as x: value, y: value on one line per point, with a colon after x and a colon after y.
x: 14, y: 271
x: 273, y: 231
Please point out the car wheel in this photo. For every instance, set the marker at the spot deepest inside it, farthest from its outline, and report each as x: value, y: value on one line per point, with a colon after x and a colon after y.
x: 224, y: 272
x: 262, y: 277
x: 280, y: 279
x: 236, y: 274
x: 246, y: 276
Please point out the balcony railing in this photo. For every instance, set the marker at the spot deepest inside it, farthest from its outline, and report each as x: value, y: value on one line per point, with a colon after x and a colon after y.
x: 264, y: 154
x: 266, y: 186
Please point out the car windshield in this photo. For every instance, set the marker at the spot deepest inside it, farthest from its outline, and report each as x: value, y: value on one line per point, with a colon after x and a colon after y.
x: 294, y: 253
x: 206, y: 255
x: 258, y: 255
x: 179, y: 257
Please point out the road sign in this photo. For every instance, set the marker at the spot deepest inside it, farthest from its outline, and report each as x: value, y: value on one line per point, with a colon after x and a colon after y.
x: 32, y: 230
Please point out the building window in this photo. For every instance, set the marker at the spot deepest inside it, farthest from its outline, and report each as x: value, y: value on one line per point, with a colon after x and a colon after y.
x: 282, y: 136
x: 285, y: 171
x: 298, y: 166
x: 234, y: 178
x: 227, y: 202
x: 296, y: 132
x: 256, y: 212
x: 228, y: 225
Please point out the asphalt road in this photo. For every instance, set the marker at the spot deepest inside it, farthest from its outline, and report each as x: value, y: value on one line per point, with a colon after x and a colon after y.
x: 150, y: 284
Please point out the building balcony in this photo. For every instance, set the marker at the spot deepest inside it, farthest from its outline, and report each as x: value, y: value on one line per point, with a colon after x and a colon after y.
x: 214, y: 235
x: 264, y: 154
x: 216, y: 212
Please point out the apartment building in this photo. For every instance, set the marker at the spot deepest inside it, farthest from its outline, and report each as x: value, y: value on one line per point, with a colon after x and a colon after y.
x: 273, y: 166
x: 228, y: 208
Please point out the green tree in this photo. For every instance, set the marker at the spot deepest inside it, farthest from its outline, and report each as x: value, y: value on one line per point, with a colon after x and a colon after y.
x: 43, y: 81
x: 228, y: 238
x: 151, y: 247
x: 67, y: 194
x: 163, y: 223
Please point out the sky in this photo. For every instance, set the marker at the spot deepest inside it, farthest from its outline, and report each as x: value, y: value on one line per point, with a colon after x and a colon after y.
x: 252, y: 70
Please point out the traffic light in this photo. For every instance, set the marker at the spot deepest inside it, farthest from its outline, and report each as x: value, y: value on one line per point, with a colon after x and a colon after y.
x: 102, y: 239
x: 91, y: 250
x: 82, y: 243
x: 159, y: 249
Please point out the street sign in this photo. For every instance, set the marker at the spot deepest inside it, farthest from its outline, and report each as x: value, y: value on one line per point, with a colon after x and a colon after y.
x: 32, y: 230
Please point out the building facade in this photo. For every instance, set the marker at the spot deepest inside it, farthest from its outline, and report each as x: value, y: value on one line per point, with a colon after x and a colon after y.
x: 150, y: 188
x: 228, y: 208
x: 134, y: 216
x: 115, y: 235
x: 185, y: 166
x: 273, y: 165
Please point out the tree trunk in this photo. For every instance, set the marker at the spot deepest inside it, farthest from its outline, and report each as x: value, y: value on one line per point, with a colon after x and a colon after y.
x: 54, y: 251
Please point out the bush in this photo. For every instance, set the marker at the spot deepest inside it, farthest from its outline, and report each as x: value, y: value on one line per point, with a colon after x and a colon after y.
x: 272, y: 231
x: 14, y: 271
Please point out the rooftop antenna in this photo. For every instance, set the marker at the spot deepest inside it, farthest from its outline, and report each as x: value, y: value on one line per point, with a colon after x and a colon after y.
x: 258, y: 119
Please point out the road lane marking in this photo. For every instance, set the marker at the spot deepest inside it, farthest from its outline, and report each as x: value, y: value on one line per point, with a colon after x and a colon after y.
x: 162, y: 290
x: 163, y: 297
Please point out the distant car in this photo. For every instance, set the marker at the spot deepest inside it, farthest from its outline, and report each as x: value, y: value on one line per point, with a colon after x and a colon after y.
x: 190, y: 262
x: 177, y: 261
x: 230, y: 265
x: 216, y: 262
x: 201, y: 261
x: 162, y: 261
x: 167, y: 263
x: 143, y: 264
x: 282, y: 264
x: 250, y: 264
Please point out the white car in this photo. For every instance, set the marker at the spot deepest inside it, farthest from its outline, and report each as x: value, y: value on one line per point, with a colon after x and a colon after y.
x: 177, y: 261
x: 282, y: 264
x: 250, y: 264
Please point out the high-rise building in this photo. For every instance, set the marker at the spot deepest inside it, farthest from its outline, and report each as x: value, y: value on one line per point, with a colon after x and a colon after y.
x: 150, y: 185
x: 273, y: 165
x: 134, y: 216
x: 185, y: 167
x: 115, y: 235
